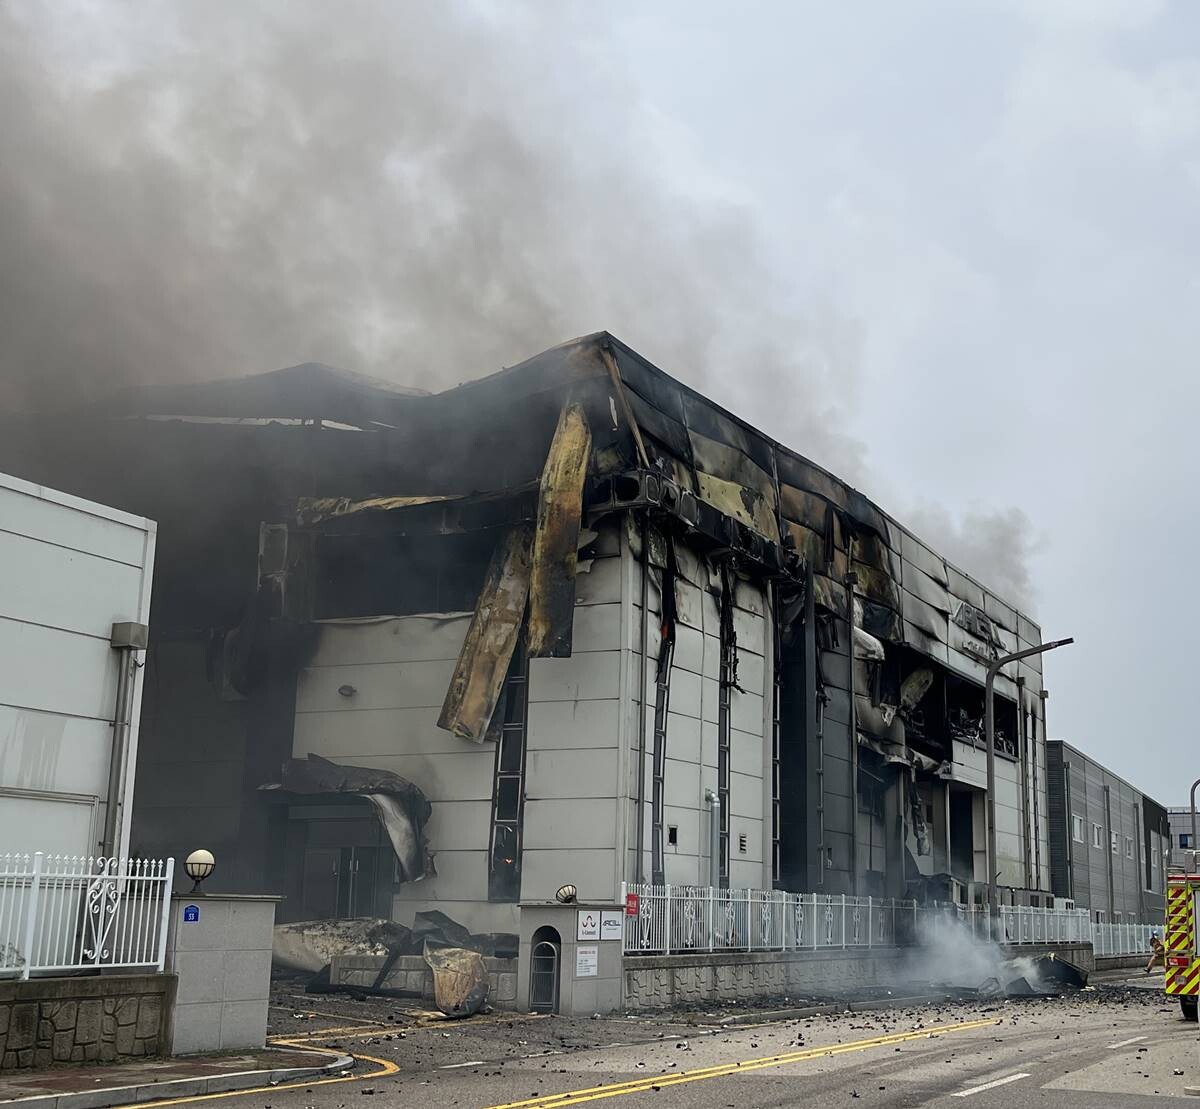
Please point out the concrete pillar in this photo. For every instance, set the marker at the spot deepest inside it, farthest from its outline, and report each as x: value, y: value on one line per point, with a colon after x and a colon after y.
x: 219, y: 947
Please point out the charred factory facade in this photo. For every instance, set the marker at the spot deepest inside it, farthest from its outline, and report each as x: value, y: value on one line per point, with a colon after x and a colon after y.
x: 571, y: 623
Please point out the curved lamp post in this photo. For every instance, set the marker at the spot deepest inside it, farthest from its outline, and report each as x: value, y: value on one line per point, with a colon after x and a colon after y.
x: 989, y: 725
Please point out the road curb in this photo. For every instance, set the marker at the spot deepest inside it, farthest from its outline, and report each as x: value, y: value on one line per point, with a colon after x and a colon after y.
x: 181, y: 1087
x: 772, y: 1015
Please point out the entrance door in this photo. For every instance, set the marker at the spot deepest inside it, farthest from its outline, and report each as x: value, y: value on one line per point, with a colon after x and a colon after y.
x: 347, y: 865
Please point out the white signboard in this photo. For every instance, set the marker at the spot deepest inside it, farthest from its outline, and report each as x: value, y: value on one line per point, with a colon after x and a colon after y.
x: 587, y: 924
x: 587, y: 962
x: 612, y: 925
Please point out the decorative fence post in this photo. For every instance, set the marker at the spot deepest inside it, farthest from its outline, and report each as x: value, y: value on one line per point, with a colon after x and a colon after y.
x: 31, y: 909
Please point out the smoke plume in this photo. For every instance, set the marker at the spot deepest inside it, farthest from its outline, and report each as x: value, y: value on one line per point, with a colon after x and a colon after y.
x: 421, y: 192
x: 993, y: 547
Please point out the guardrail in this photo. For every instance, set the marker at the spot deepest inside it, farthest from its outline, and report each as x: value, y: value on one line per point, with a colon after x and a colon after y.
x: 1123, y: 939
x: 673, y: 919
x: 62, y: 913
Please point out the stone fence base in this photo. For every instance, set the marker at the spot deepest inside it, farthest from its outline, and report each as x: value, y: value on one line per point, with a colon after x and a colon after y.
x: 664, y: 981
x: 1080, y: 954
x: 412, y: 973
x: 101, y: 1018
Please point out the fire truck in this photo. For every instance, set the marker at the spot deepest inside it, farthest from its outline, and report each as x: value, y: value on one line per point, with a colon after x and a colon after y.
x: 1179, y: 935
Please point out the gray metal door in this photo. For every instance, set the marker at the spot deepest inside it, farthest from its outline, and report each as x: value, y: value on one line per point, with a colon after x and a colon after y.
x: 543, y: 977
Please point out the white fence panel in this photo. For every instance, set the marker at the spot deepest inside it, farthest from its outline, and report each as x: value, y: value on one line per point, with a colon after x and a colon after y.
x: 682, y: 919
x: 60, y: 913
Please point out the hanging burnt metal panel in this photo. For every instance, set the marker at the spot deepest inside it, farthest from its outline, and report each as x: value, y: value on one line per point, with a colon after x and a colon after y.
x: 556, y: 538
x: 491, y: 639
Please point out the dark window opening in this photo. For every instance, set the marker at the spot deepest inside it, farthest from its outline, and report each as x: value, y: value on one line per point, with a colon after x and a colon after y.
x: 398, y: 575
x: 672, y: 835
x: 508, y: 795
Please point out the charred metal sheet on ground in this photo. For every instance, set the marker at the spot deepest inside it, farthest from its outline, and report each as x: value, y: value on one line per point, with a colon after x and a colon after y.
x: 401, y: 806
x: 491, y: 639
x: 460, y: 979
x: 556, y: 540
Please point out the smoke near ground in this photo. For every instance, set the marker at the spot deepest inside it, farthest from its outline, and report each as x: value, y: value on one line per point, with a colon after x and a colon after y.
x: 422, y: 192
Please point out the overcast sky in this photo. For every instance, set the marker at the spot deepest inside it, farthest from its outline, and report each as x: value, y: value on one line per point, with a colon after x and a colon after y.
x: 947, y: 249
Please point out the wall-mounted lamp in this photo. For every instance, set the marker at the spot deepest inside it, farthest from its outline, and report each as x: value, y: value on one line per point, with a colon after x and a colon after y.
x: 566, y: 895
x: 347, y: 690
x: 199, y: 865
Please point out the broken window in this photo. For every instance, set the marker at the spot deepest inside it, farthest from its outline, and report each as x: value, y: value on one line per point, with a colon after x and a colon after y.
x: 508, y: 796
x: 1113, y: 842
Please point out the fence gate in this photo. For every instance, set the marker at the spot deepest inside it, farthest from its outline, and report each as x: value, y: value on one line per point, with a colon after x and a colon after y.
x: 543, y: 976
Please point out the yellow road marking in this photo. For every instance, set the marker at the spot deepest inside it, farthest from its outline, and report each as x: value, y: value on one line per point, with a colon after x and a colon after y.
x: 640, y: 1085
x: 386, y: 1068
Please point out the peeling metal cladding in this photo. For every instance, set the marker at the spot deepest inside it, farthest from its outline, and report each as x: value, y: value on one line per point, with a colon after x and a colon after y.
x: 707, y: 419
x: 808, y: 544
x: 930, y: 620
x: 726, y: 476
x: 807, y: 509
x: 401, y: 806
x: 671, y: 435
x: 917, y: 554
x: 964, y: 589
x: 876, y: 585
x: 922, y: 586
x: 739, y: 502
x: 1030, y: 633
x: 873, y: 550
x: 927, y: 644
x: 1000, y: 612
x: 830, y: 595
x: 882, y: 622
x: 495, y: 627
x: 805, y: 475
x: 556, y: 538
x: 316, y: 510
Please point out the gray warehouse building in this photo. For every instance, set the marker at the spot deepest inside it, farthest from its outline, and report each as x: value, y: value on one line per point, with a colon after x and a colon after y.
x: 1181, y: 828
x: 1109, y: 842
x: 570, y: 623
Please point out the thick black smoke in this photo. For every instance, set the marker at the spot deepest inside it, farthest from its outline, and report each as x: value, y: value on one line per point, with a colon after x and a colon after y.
x: 421, y: 192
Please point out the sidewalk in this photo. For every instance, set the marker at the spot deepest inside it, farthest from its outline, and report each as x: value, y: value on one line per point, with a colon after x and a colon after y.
x: 97, y: 1087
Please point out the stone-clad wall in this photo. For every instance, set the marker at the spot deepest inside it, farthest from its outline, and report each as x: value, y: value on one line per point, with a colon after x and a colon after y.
x: 412, y: 973
x: 76, y: 1020
x: 663, y: 981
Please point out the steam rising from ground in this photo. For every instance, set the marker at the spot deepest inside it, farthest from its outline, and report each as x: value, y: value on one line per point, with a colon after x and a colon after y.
x: 948, y: 954
x: 422, y: 192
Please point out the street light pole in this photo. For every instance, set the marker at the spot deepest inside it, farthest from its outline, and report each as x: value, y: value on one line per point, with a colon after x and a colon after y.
x: 989, y: 728
x: 1195, y: 845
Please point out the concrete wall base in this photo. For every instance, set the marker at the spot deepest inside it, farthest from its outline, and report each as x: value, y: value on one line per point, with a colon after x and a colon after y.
x: 1078, y: 953
x: 664, y: 981
x: 98, y: 1019
x: 411, y: 972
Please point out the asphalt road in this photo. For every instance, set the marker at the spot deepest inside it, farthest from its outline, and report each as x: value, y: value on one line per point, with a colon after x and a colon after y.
x: 1112, y: 1046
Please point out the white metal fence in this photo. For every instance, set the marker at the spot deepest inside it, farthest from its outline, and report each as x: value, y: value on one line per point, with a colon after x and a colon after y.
x: 681, y: 919
x: 1123, y: 939
x: 673, y: 919
x: 63, y: 913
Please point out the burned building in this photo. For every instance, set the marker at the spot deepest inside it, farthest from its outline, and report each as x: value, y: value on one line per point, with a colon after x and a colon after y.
x: 569, y: 623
